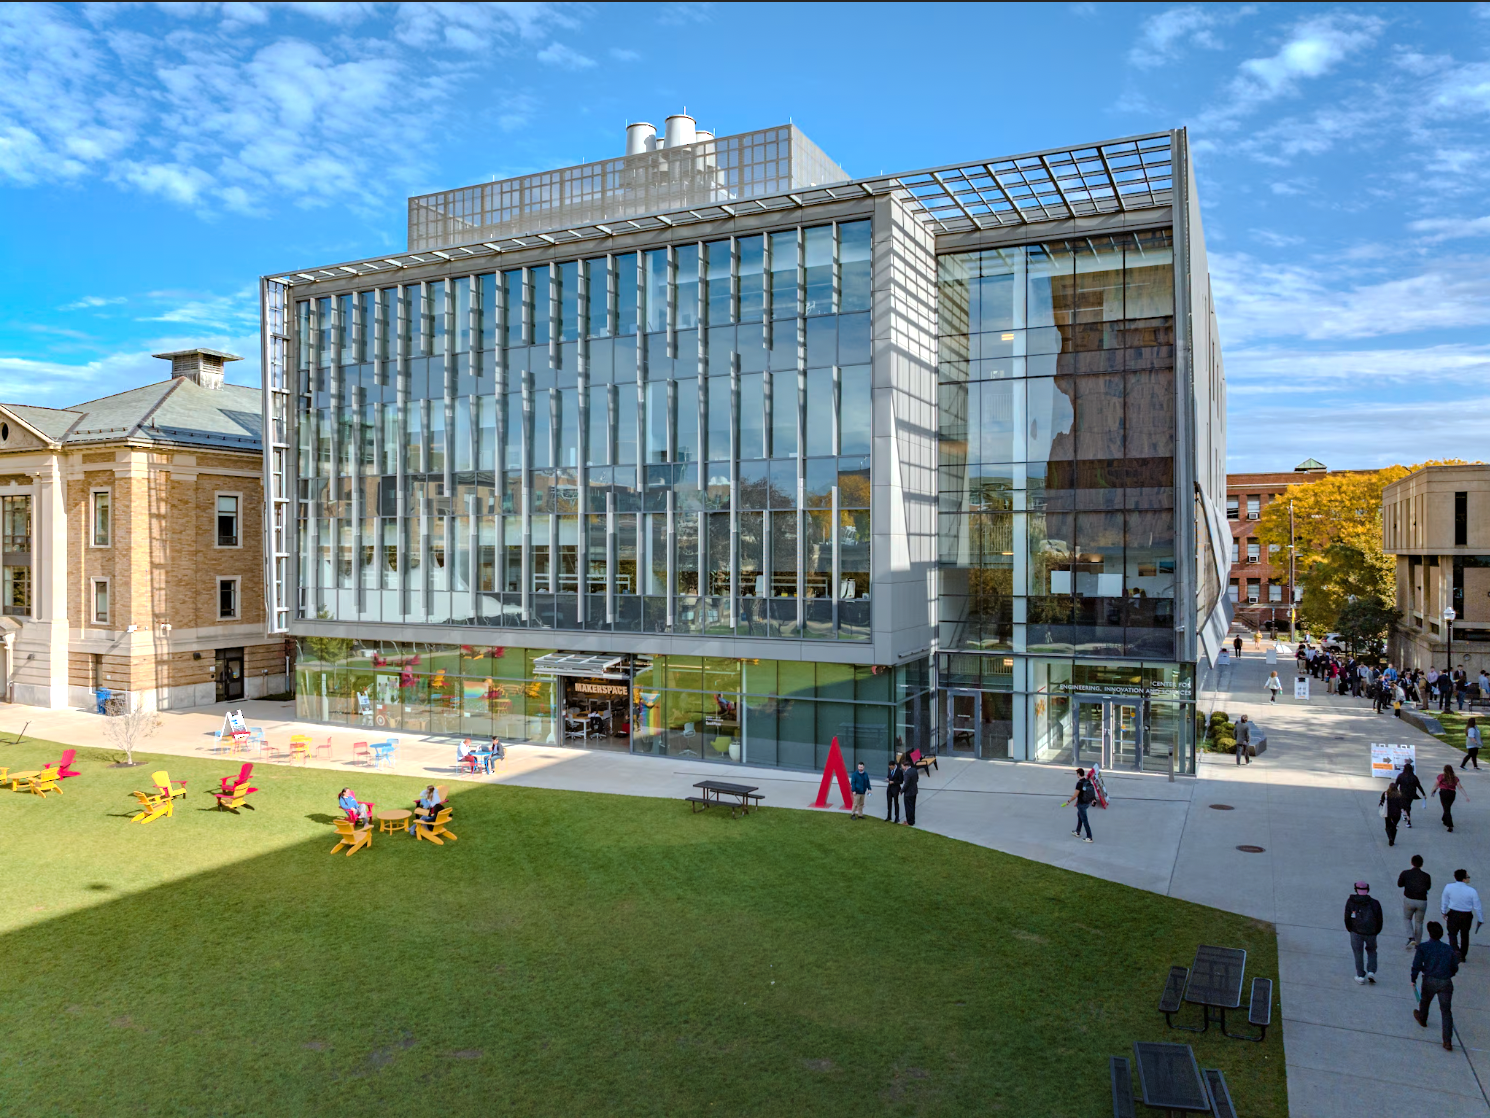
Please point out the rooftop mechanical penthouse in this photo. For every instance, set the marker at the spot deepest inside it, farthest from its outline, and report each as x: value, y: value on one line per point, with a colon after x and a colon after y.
x: 710, y: 450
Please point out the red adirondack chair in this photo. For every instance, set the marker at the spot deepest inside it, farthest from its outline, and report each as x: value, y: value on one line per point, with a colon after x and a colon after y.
x: 231, y: 782
x: 64, y: 766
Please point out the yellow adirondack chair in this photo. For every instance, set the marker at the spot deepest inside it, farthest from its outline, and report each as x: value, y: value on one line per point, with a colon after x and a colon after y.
x: 435, y: 830
x: 46, y: 781
x: 352, y: 836
x: 235, y: 798
x: 152, y: 807
x: 164, y: 782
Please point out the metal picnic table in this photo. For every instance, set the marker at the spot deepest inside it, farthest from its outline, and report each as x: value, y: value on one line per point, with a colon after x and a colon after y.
x: 714, y: 789
x: 1169, y: 1078
x: 1215, y: 982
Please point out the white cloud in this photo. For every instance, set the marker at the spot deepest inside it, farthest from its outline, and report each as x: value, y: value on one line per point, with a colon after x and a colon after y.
x: 678, y: 15
x: 1285, y: 370
x: 1163, y: 37
x: 1256, y: 300
x: 557, y: 54
x: 88, y: 301
x: 621, y: 54
x: 1450, y: 228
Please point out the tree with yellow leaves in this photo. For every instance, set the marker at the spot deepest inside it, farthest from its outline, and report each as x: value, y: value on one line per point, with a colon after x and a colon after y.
x: 1337, y: 533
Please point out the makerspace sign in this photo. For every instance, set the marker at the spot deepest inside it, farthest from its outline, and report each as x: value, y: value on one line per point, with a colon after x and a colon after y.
x: 1387, y: 760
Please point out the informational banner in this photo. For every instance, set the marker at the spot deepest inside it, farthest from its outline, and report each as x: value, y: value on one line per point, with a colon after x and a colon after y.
x: 1387, y: 759
x: 1301, y: 687
x: 1272, y: 656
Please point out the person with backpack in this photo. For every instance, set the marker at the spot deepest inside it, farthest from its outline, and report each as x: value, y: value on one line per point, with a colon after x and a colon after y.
x: 858, y: 784
x: 1436, y: 962
x: 1447, y: 789
x: 910, y: 778
x: 1411, y: 788
x: 1363, y: 922
x: 893, y: 782
x: 1084, y: 796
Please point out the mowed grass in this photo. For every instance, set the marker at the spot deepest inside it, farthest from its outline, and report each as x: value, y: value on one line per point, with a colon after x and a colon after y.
x: 571, y: 954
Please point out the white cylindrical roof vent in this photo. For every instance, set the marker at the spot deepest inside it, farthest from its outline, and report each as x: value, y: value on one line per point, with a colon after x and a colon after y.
x: 700, y: 136
x: 680, y: 130
x: 640, y: 138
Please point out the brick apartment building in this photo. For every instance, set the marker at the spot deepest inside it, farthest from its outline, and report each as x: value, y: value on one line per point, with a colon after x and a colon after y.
x: 1260, y: 588
x: 133, y: 550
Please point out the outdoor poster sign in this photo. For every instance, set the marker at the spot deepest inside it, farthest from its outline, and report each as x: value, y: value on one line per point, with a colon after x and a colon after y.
x: 1387, y: 760
x: 1301, y: 687
x: 1272, y: 656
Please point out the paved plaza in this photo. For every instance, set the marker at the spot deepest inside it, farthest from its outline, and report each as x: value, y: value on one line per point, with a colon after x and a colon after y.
x: 1309, y: 802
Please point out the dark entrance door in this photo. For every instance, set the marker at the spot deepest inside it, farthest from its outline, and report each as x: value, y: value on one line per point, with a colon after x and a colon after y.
x: 229, y: 674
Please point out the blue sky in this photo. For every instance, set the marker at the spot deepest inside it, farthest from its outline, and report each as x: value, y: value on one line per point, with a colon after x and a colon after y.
x: 156, y: 159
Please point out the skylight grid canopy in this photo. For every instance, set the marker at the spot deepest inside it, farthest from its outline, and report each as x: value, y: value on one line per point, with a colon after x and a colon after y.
x: 1117, y: 176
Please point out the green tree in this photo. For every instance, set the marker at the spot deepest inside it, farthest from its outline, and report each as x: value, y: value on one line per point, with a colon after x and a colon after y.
x: 1365, y: 623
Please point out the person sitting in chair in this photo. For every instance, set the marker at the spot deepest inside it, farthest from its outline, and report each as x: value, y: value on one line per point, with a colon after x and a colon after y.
x: 498, y: 750
x: 427, y: 806
x: 348, y: 802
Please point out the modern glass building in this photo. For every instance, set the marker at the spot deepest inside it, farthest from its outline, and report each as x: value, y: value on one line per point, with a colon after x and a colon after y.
x: 934, y: 456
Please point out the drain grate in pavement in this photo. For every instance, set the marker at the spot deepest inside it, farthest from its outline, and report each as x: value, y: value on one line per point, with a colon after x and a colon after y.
x: 1221, y: 807
x: 1251, y: 849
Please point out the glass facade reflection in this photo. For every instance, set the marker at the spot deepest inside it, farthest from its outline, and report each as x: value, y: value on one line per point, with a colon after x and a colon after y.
x: 820, y: 469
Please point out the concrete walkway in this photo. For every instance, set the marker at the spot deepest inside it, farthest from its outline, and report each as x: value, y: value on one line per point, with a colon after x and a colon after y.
x: 1352, y: 1051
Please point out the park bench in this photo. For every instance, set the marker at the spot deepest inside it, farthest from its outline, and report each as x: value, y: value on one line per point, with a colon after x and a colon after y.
x: 1173, y: 996
x: 1122, y: 1088
x: 696, y: 801
x: 1260, y: 1010
x: 1215, y: 1082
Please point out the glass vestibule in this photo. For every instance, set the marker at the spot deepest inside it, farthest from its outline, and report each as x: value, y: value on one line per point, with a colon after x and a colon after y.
x: 979, y: 723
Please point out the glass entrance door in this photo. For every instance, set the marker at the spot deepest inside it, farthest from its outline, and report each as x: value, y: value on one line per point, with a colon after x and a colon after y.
x: 962, y: 722
x: 1108, y: 733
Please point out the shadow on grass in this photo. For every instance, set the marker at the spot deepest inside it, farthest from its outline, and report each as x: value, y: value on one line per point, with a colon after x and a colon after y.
x: 581, y: 954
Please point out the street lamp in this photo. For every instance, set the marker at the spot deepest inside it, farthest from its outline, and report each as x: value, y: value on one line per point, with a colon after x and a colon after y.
x: 1448, y: 619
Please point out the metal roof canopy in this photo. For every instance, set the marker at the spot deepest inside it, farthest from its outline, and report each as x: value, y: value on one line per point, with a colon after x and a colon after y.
x: 580, y: 664
x: 1115, y: 176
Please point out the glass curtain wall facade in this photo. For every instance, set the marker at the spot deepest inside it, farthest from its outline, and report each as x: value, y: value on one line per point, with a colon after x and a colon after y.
x: 1056, y: 495
x: 667, y: 441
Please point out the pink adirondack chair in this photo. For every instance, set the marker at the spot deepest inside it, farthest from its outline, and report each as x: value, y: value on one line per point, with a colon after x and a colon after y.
x: 64, y: 766
x: 231, y: 782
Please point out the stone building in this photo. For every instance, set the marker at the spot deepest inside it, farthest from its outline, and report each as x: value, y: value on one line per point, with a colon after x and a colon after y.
x: 133, y: 544
x: 1433, y: 520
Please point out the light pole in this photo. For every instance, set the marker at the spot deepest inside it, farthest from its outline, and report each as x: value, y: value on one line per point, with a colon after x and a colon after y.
x: 1449, y: 614
x: 1293, y: 597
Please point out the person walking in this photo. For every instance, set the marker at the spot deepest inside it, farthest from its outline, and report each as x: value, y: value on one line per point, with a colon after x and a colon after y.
x: 910, y: 777
x: 1363, y: 922
x: 1459, y: 904
x: 1391, y: 811
x: 1237, y: 644
x: 893, y: 781
x: 1436, y: 963
x: 1414, y: 884
x: 1083, y: 797
x: 1243, y: 740
x: 1411, y: 788
x: 1471, y: 744
x: 1446, y: 788
x: 1461, y: 687
x: 1273, y: 686
x: 858, y: 784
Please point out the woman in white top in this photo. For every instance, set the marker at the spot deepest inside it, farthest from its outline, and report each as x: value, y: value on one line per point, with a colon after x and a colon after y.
x: 1471, y: 744
x: 1273, y: 685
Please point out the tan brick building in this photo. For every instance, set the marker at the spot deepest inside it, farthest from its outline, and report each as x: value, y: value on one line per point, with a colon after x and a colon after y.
x: 133, y: 544
x: 1435, y: 522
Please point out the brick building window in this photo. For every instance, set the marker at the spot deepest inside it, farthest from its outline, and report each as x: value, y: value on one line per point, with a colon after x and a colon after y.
x: 1254, y: 550
x: 1461, y: 519
x: 227, y: 520
x: 100, y: 601
x: 1231, y: 590
x: 1254, y: 506
x: 1275, y: 591
x: 1236, y: 555
x: 1254, y: 589
x: 102, y: 521
x: 227, y: 599
x: 1232, y: 504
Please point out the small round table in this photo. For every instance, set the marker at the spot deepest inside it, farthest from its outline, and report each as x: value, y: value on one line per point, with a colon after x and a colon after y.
x: 393, y: 820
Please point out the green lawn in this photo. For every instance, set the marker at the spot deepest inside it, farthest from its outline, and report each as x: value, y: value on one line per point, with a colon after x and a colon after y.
x: 571, y: 954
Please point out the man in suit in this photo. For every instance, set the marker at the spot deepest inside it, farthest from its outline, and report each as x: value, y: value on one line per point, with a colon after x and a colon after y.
x: 910, y: 778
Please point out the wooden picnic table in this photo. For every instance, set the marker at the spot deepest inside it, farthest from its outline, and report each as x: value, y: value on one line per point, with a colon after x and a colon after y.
x: 1169, y: 1078
x: 744, y: 794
